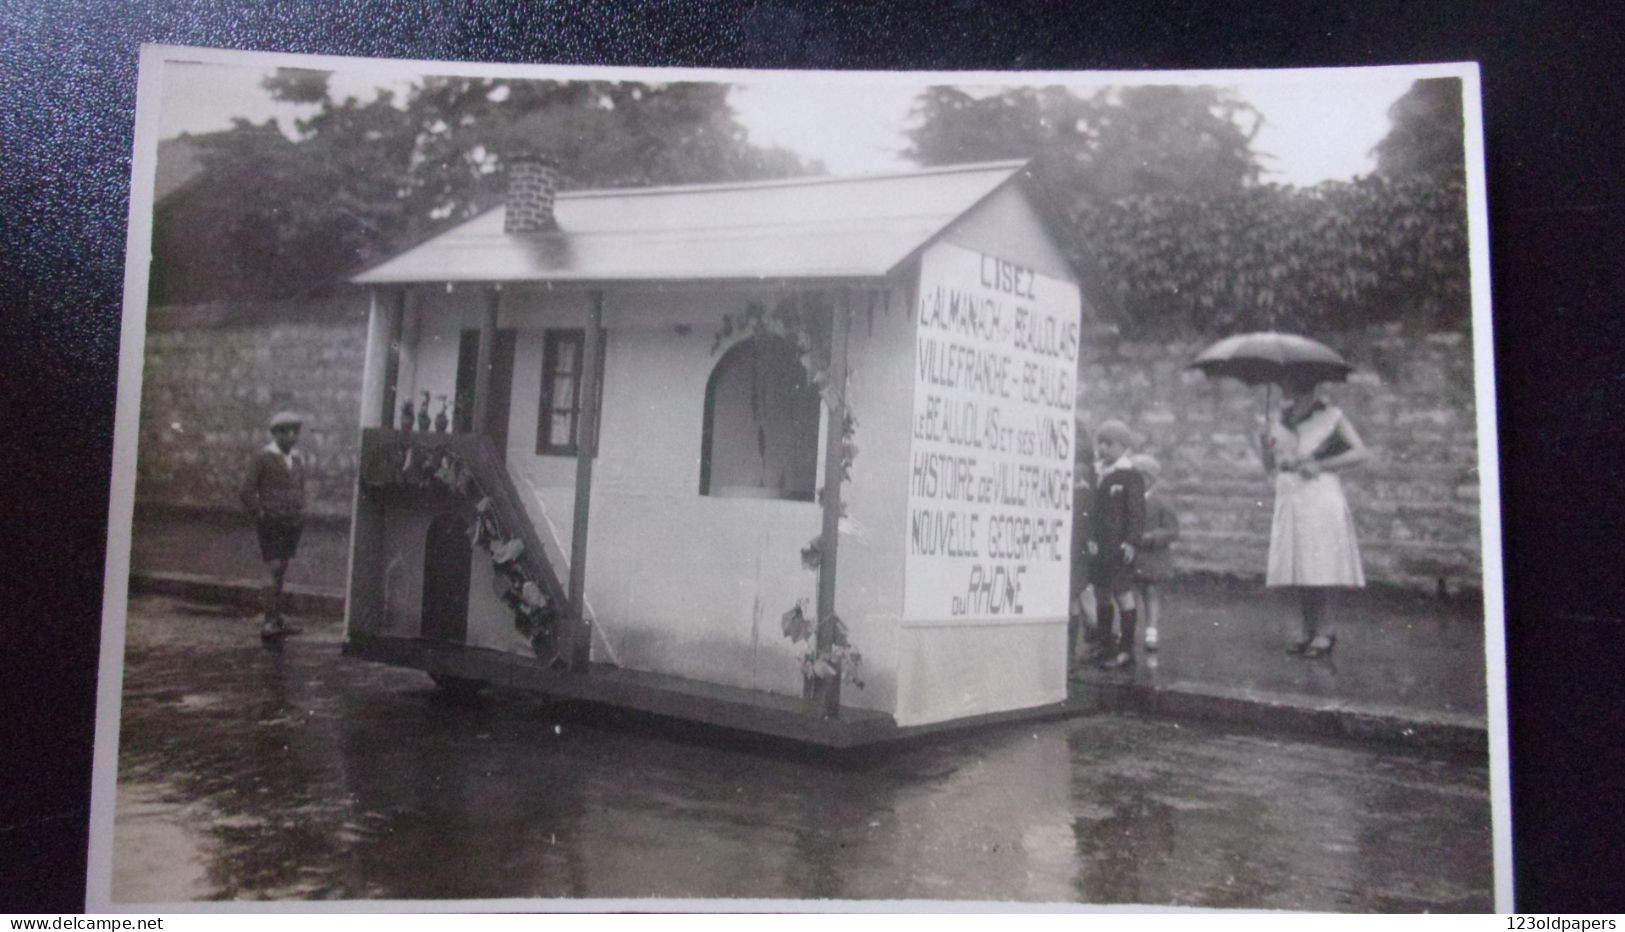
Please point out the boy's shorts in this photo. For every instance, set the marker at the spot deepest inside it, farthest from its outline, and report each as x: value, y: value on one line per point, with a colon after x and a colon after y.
x: 1112, y: 574
x: 279, y: 537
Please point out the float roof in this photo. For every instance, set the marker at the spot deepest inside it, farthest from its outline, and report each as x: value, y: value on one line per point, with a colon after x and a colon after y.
x: 802, y: 228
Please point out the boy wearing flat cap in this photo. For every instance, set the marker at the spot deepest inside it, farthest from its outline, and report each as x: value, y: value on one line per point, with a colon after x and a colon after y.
x: 1117, y: 521
x: 274, y: 494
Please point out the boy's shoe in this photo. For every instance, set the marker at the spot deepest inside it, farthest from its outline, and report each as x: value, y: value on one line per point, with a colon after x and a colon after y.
x: 274, y: 628
x: 1123, y: 659
x: 1151, y: 639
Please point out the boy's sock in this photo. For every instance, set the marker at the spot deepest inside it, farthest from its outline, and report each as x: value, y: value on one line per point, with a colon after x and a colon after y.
x: 1104, y: 612
x: 1130, y: 617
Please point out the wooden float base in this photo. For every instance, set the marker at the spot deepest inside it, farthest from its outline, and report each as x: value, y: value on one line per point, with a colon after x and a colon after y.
x: 785, y: 718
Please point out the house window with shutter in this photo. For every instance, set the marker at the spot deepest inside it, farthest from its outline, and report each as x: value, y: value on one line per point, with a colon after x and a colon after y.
x: 559, y: 419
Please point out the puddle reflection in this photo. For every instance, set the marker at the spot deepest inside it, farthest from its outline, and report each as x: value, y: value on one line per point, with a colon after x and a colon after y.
x: 304, y: 775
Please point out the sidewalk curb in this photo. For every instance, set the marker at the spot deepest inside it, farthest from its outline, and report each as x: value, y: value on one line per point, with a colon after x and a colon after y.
x: 242, y: 593
x: 1327, y: 718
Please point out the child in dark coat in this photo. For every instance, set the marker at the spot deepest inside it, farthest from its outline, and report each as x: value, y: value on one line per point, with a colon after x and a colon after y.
x: 1117, y: 521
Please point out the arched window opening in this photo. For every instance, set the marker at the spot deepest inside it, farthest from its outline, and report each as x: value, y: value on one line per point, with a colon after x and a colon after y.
x: 761, y: 424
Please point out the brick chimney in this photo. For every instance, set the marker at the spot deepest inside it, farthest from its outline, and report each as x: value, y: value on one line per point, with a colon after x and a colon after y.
x: 533, y: 180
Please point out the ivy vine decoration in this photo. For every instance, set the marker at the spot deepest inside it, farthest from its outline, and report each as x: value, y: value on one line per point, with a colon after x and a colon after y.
x: 812, y: 555
x: 534, y: 616
x: 837, y: 659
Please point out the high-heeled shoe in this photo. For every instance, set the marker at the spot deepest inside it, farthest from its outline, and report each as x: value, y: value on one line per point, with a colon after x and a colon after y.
x: 1316, y: 650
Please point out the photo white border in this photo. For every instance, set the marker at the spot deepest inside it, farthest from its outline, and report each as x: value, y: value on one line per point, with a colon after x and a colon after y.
x: 1489, y: 486
x: 115, y: 597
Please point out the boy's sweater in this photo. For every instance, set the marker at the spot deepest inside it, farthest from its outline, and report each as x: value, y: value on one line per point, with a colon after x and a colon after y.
x: 275, y: 484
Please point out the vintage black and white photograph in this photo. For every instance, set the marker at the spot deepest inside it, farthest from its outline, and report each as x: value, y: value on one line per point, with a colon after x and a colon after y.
x: 569, y: 486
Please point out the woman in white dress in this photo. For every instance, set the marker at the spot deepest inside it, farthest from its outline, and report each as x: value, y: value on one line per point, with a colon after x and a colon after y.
x: 1313, y: 548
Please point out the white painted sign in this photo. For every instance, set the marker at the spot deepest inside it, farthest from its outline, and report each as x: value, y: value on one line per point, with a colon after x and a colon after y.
x: 990, y: 470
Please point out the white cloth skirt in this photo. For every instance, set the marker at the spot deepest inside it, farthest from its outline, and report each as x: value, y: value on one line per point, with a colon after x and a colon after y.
x: 1312, y: 541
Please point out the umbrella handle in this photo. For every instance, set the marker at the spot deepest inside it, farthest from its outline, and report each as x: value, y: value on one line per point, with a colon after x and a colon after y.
x: 1268, y: 405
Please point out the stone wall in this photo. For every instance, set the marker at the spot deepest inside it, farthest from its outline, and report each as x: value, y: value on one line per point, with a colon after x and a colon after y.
x: 1411, y: 399
x: 215, y: 373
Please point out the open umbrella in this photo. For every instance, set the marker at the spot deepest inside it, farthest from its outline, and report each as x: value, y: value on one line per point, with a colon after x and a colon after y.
x: 1271, y: 358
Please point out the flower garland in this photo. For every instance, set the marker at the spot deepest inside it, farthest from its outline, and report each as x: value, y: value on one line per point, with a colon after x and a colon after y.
x: 534, y: 615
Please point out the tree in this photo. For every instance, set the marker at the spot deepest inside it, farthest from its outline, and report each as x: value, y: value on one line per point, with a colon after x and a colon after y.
x: 263, y: 219
x: 1113, y: 143
x: 1330, y: 257
x: 298, y: 85
x: 604, y: 134
x: 1425, y: 132
x: 1160, y: 190
x: 272, y: 217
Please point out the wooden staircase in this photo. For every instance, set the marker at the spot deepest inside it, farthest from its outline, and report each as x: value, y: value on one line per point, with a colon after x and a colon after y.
x: 542, y: 522
x: 413, y: 464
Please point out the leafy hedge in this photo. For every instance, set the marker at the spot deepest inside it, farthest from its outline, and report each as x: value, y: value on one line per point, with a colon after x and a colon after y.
x: 1331, y: 257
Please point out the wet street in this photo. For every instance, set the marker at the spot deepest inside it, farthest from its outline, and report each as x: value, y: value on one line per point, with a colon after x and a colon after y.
x: 252, y: 773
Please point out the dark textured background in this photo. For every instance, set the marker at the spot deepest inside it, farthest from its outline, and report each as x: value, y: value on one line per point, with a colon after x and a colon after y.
x: 1553, y: 114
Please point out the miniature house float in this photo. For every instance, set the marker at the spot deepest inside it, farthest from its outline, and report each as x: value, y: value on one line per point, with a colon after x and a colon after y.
x: 725, y: 452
